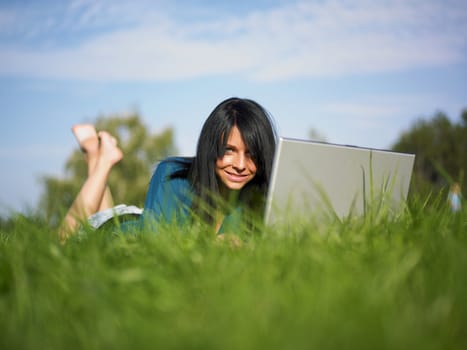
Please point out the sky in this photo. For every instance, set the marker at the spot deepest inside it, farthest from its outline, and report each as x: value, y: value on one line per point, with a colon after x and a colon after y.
x: 357, y: 72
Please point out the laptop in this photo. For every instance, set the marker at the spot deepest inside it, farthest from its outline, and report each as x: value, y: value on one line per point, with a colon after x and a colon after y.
x: 318, y: 179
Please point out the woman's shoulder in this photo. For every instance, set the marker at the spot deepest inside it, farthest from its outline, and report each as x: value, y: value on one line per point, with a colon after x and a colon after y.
x: 168, y: 188
x: 171, y: 165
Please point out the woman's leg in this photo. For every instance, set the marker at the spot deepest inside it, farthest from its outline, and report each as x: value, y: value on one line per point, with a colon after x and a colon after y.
x: 93, y: 190
x: 88, y: 140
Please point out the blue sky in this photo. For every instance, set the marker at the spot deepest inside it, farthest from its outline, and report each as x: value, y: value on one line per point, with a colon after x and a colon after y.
x: 358, y: 72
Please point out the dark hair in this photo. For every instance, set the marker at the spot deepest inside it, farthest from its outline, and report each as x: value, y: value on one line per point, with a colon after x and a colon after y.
x: 258, y: 133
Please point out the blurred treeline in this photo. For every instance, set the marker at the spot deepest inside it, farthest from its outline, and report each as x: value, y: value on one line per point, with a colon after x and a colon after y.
x: 440, y: 146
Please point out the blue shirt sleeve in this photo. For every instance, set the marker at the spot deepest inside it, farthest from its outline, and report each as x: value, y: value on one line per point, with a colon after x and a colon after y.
x: 168, y: 199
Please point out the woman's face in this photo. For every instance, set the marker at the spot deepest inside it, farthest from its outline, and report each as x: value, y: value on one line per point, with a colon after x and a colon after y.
x: 236, y: 167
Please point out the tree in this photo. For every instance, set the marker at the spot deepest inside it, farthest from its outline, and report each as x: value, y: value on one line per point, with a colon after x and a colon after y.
x: 128, y: 180
x: 441, y: 151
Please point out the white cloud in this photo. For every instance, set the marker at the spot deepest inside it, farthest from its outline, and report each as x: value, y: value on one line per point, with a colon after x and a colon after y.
x: 330, y: 38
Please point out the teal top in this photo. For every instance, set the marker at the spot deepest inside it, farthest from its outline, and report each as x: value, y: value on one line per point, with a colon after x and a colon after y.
x: 169, y: 198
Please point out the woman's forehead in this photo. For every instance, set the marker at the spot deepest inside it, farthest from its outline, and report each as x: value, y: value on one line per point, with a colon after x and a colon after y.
x: 235, y: 136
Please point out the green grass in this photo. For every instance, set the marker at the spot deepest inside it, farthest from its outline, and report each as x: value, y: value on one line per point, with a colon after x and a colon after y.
x: 373, y: 283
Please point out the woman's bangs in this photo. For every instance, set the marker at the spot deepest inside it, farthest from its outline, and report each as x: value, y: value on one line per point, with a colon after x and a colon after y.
x: 222, y: 139
x: 251, y: 138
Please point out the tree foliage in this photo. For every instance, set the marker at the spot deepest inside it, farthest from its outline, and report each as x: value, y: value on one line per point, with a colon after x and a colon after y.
x: 128, y: 180
x: 440, y: 147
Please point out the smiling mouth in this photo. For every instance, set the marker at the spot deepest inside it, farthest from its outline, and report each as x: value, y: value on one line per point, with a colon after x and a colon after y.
x: 236, y: 177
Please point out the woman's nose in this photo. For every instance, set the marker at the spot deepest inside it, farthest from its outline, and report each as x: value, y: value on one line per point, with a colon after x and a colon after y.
x: 239, y: 162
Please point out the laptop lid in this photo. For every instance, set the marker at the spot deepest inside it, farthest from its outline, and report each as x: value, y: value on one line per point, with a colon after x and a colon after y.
x: 316, y: 178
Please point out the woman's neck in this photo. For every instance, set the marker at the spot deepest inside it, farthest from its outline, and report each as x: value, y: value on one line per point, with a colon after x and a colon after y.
x: 229, y: 196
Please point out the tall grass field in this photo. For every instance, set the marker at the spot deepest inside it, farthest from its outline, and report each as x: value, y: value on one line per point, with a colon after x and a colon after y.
x: 375, y: 282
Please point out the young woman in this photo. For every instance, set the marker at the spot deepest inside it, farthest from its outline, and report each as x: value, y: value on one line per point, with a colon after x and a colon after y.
x: 225, y: 182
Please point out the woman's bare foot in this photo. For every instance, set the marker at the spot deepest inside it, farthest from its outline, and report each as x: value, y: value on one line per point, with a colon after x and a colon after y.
x: 86, y: 136
x: 109, y: 150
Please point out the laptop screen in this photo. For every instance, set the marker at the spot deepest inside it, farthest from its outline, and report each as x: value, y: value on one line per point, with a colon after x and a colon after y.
x: 315, y: 178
